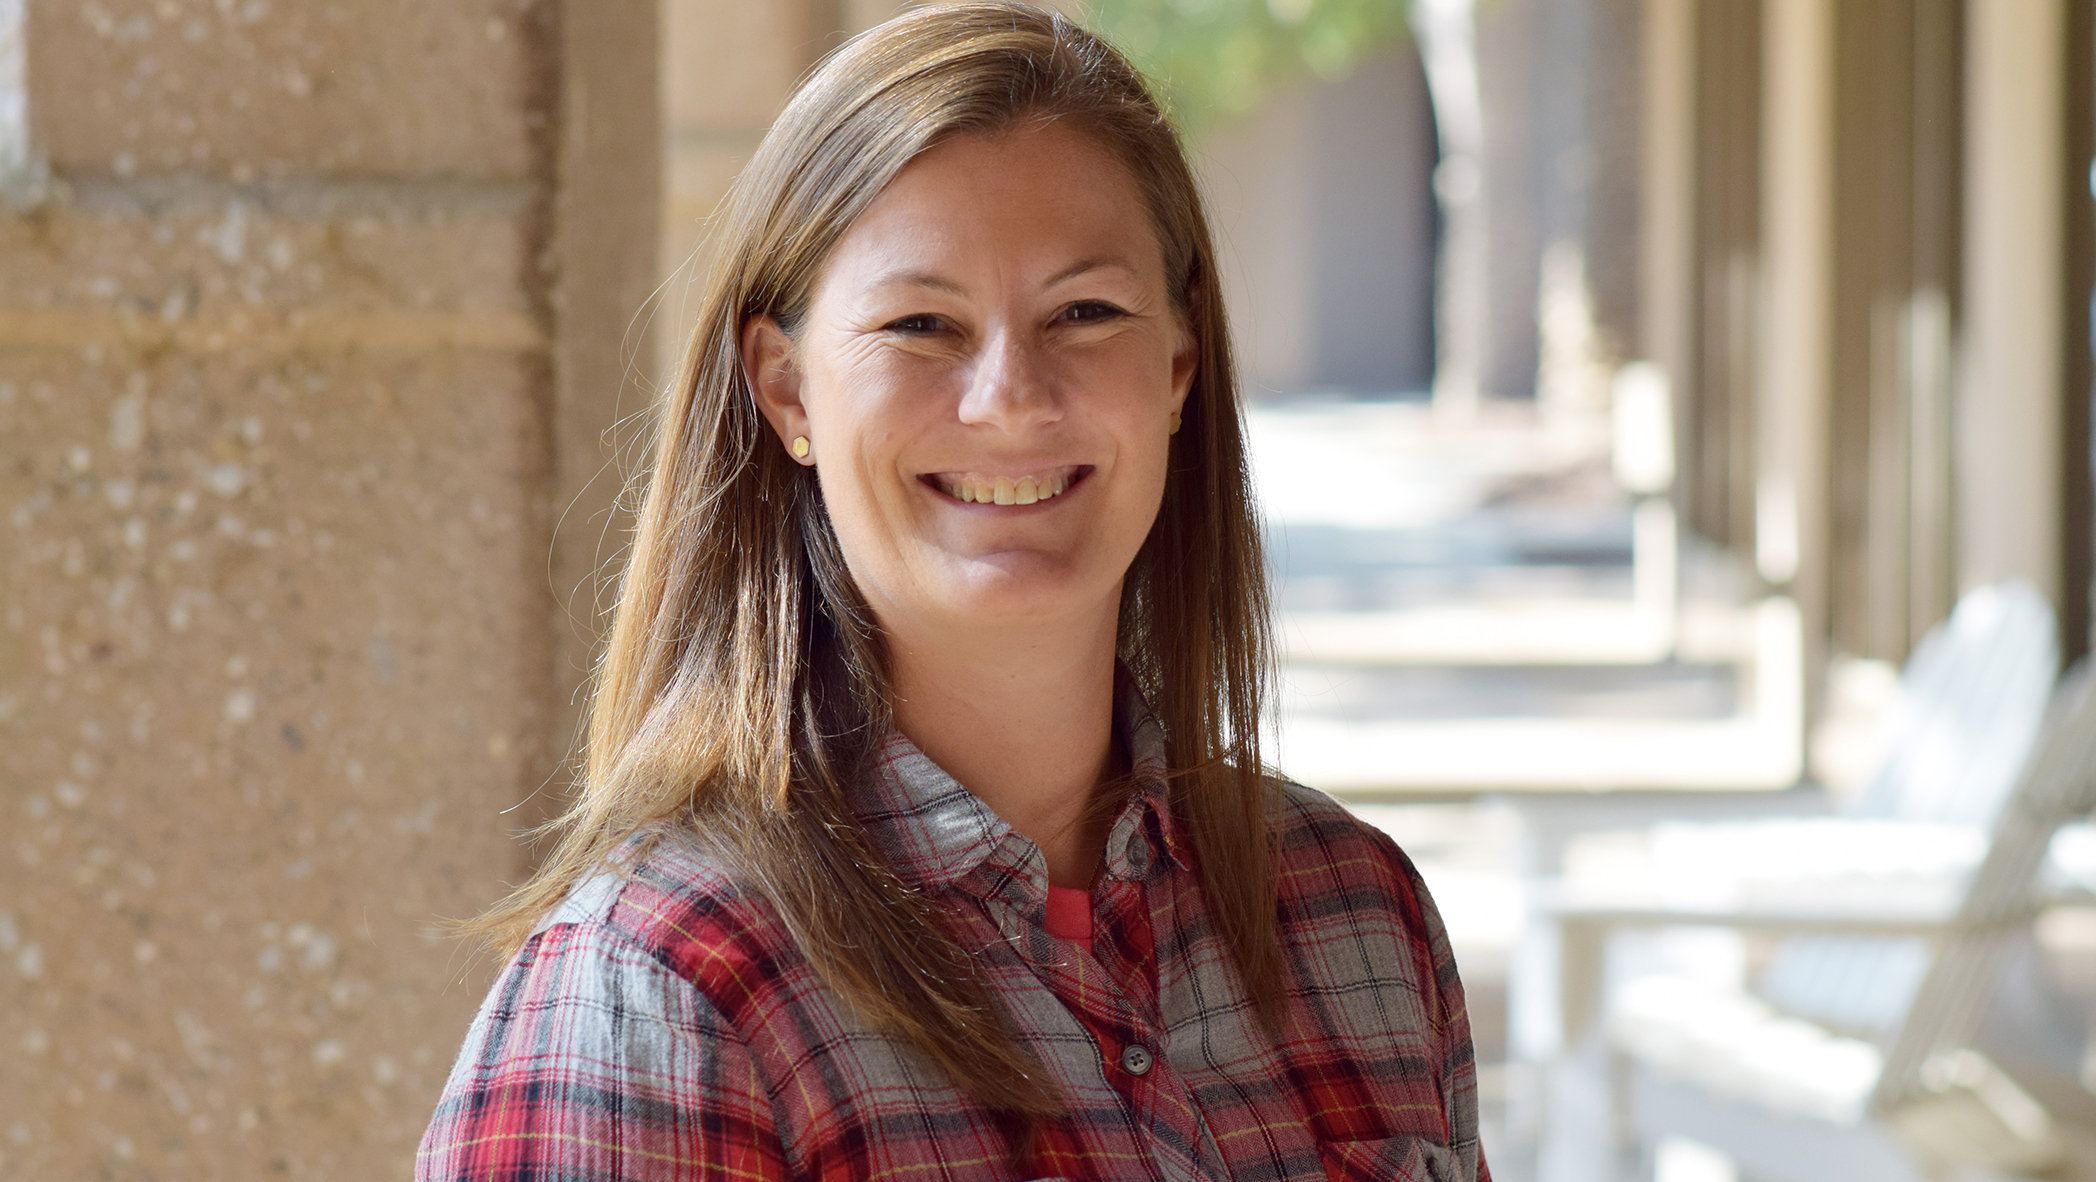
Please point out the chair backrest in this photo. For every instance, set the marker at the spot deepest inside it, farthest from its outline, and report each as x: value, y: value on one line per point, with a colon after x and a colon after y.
x: 1971, y: 700
x: 2058, y: 786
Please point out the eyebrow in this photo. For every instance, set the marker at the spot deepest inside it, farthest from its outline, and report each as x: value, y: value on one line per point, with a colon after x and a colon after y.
x: 1083, y: 265
x: 917, y: 279
x: 941, y: 283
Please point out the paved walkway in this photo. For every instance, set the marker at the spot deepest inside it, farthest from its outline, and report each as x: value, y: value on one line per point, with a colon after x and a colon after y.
x: 1475, y: 604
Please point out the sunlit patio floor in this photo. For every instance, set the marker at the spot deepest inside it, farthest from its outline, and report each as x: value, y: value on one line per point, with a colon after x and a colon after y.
x: 1467, y: 622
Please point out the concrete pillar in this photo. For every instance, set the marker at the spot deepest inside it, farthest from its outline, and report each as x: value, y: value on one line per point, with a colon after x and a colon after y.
x: 727, y: 68
x: 607, y: 232
x: 291, y: 387
x: 1256, y: 176
x: 1526, y: 100
x: 2008, y: 405
x: 1323, y: 207
x: 1717, y: 399
x: 2077, y: 345
x: 1791, y: 512
x: 1612, y: 222
x: 1667, y: 225
x: 1457, y: 55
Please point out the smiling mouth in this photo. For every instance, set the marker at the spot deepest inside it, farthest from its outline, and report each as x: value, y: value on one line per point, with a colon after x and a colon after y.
x: 980, y: 489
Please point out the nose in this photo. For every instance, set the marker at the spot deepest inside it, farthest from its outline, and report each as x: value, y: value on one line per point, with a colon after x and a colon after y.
x: 1011, y: 387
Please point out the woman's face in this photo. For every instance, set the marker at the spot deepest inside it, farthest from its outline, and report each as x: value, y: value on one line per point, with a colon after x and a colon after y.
x: 986, y: 374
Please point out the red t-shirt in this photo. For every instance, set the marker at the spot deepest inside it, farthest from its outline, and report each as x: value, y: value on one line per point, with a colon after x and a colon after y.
x: 1070, y: 915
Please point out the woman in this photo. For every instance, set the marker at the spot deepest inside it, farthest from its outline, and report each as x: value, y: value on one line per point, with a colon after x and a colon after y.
x: 924, y: 831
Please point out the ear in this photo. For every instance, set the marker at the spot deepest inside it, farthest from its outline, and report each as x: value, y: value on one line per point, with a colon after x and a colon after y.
x: 1186, y: 362
x: 774, y: 376
x: 1186, y: 346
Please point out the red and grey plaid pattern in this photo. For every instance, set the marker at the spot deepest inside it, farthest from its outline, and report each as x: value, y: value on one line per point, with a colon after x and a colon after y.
x: 662, y: 1024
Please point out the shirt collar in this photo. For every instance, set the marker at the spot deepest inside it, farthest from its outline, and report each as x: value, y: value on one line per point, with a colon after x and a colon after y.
x: 935, y: 832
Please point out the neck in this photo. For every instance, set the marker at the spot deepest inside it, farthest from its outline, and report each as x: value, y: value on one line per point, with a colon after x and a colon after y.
x: 1023, y: 717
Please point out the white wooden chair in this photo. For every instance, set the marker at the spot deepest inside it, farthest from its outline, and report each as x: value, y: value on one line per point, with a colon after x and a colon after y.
x: 1850, y: 1060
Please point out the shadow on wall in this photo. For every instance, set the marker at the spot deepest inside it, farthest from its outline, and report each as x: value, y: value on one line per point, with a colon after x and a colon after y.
x: 1323, y: 201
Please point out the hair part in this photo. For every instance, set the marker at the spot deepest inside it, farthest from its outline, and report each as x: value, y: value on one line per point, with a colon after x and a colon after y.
x: 745, y: 680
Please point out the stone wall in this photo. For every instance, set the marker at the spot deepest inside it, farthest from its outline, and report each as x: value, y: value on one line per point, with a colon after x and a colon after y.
x: 299, y: 362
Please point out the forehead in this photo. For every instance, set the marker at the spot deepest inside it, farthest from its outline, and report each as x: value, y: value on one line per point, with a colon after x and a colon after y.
x: 1038, y: 197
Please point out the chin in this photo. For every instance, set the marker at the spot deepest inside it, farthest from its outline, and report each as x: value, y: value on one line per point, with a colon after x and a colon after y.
x: 993, y: 591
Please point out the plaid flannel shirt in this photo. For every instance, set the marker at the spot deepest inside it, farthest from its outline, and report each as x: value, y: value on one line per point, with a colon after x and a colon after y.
x: 661, y: 1024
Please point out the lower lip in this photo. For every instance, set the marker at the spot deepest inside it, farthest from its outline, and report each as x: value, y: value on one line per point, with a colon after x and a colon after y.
x: 1077, y: 481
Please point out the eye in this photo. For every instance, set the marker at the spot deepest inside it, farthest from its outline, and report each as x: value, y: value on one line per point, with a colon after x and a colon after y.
x: 918, y: 324
x: 1090, y: 312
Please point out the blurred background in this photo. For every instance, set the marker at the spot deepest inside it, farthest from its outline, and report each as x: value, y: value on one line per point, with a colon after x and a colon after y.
x: 1637, y: 388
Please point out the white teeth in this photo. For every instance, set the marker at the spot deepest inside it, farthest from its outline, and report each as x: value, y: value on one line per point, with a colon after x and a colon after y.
x: 972, y: 488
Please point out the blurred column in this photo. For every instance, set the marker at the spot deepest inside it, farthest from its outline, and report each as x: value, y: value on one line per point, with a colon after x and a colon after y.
x: 2009, y: 408
x: 1323, y: 209
x: 727, y: 68
x: 1928, y: 324
x: 1721, y: 425
x: 1668, y: 167
x: 607, y: 232
x: 1447, y: 32
x: 1667, y: 221
x: 1608, y: 172
x: 1258, y: 180
x: 1895, y: 263
x: 2077, y: 179
x: 1369, y: 208
x: 1534, y: 308
x: 1790, y: 517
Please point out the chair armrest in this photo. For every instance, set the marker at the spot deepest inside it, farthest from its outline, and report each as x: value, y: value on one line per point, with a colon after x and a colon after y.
x: 1585, y: 919
x: 1832, y: 920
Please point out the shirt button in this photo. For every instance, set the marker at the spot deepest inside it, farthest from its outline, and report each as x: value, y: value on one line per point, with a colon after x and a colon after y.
x: 1136, y: 1060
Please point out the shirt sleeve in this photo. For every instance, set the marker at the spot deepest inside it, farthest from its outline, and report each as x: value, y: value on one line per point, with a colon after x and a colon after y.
x: 591, y: 1060
x: 1458, y: 1055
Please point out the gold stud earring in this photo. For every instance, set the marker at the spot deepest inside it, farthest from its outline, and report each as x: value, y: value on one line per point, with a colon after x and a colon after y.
x: 1175, y: 423
x: 800, y: 447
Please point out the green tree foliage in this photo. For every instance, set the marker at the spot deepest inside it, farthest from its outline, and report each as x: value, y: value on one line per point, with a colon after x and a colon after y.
x: 1215, y: 58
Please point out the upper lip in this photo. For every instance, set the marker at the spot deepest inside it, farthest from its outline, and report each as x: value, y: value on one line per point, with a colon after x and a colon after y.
x: 1011, y: 471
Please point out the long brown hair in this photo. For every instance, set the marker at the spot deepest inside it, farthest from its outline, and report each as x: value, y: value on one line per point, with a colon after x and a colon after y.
x: 745, y: 678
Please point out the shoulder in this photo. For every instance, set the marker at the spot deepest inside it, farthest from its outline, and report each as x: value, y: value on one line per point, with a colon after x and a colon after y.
x: 606, y: 1031
x: 1313, y: 833
x: 658, y: 938
x: 688, y: 914
x: 1341, y: 879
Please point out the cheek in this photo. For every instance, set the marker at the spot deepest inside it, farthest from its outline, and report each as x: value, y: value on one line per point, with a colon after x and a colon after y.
x: 869, y: 530
x: 1140, y: 462
x: 854, y: 412
x: 854, y: 469
x: 1134, y: 381
x: 1145, y: 487
x: 843, y: 397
